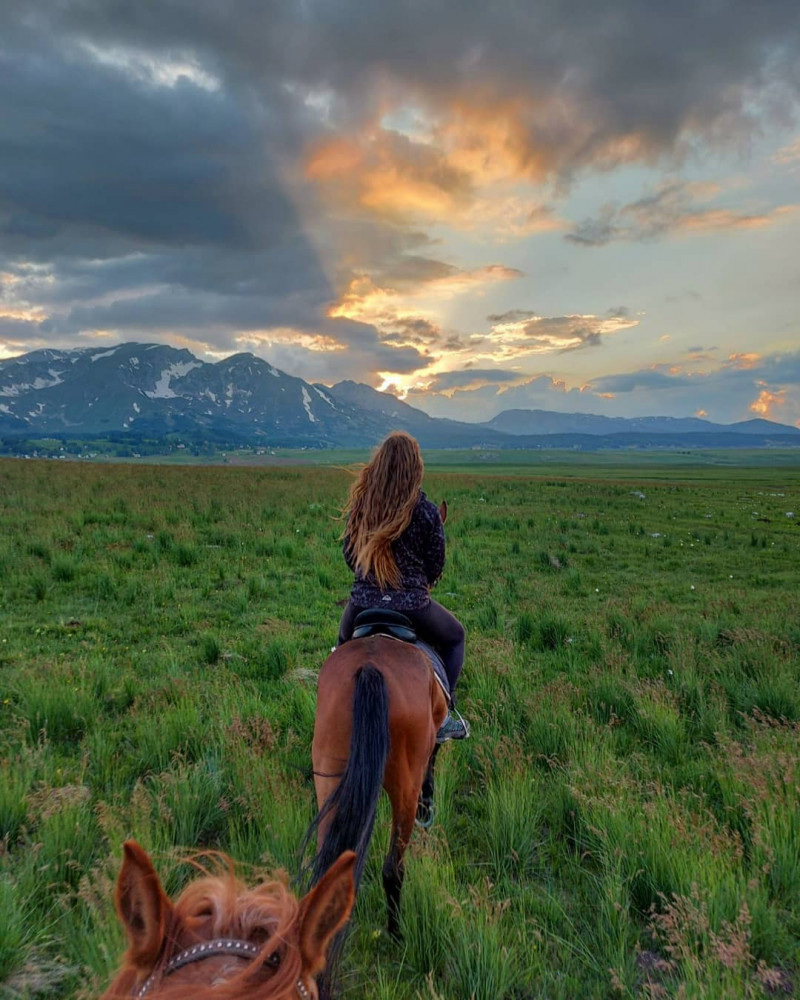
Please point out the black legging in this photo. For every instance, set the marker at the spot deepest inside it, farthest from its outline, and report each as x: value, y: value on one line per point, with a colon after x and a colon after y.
x: 434, y: 624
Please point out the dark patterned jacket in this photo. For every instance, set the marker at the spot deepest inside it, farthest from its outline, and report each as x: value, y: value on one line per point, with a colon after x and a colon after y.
x: 419, y: 554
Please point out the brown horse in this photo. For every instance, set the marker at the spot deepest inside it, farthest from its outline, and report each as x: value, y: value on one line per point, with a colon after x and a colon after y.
x: 223, y: 941
x: 379, y: 708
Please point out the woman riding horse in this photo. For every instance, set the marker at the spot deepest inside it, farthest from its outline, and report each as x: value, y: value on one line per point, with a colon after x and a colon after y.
x: 381, y: 711
x: 394, y: 542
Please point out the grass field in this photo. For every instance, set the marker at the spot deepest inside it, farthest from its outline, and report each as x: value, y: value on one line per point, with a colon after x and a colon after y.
x: 624, y: 822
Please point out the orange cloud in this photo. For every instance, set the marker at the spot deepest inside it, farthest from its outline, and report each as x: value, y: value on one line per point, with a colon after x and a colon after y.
x: 513, y: 139
x: 701, y: 413
x: 289, y: 335
x: 713, y: 219
x: 492, y: 143
x: 389, y: 175
x: 768, y: 402
x: 743, y: 361
x: 471, y: 172
x: 35, y: 315
x: 518, y: 334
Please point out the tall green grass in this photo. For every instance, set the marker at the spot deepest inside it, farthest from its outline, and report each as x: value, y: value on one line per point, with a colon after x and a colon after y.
x: 625, y: 819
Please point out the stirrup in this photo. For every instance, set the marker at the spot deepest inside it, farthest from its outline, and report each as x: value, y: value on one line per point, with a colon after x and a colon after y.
x: 424, y: 817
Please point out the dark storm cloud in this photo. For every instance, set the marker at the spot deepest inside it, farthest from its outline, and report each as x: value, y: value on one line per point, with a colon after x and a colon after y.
x: 159, y: 202
x: 638, y: 67
x: 148, y: 207
x: 19, y: 330
x: 86, y: 147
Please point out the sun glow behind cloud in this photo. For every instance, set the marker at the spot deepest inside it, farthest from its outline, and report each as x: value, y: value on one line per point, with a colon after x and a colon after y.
x: 264, y: 339
x: 470, y: 171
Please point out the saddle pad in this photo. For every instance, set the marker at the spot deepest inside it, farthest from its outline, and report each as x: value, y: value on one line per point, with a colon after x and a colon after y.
x: 438, y: 667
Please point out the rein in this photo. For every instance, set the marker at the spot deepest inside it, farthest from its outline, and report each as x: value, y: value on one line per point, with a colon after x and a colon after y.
x: 210, y: 949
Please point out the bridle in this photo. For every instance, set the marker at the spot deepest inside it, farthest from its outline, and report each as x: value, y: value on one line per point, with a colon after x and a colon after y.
x: 210, y: 949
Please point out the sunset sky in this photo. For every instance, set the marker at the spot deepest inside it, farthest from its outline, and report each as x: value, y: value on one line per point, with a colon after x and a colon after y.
x: 562, y: 204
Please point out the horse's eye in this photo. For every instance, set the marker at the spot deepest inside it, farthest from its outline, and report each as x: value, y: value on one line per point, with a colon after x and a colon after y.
x: 274, y: 960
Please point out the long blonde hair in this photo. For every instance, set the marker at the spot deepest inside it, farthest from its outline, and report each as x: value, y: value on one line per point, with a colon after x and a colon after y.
x: 380, y: 506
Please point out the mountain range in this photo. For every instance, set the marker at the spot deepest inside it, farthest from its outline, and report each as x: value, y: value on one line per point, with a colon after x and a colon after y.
x: 153, y: 390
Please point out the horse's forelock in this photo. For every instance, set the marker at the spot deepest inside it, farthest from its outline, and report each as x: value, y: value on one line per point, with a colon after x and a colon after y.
x: 265, y: 915
x: 236, y: 911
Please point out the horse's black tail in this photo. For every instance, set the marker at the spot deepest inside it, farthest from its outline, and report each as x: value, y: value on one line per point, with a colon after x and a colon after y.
x: 353, y: 805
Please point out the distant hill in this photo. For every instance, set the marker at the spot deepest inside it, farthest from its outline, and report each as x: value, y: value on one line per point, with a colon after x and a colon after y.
x: 547, y: 422
x: 153, y: 390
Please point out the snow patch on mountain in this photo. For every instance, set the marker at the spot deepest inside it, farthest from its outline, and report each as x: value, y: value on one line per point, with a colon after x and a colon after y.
x: 38, y: 383
x: 327, y: 399
x: 162, y: 388
x: 307, y: 404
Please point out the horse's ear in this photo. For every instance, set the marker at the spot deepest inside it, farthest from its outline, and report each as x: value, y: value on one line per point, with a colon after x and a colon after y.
x: 142, y: 905
x: 443, y: 510
x: 325, y: 910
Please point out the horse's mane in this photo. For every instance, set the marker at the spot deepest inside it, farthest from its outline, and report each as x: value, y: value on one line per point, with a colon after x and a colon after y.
x: 226, y: 908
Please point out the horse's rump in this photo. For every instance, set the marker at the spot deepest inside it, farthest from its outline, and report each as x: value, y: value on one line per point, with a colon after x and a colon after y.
x: 408, y: 707
x: 396, y: 625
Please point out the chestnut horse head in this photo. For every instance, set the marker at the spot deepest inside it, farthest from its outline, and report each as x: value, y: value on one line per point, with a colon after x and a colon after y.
x: 221, y: 940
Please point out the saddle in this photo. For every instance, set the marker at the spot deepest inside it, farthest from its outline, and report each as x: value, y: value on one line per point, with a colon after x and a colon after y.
x: 383, y: 621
